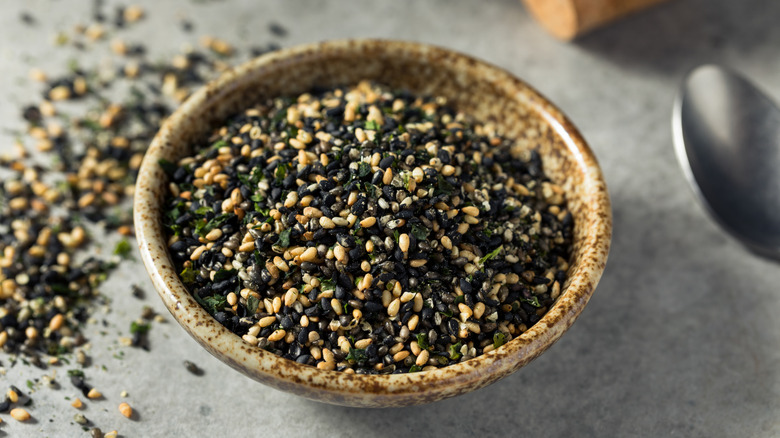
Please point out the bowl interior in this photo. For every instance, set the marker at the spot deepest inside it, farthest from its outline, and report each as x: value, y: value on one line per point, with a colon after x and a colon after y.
x: 482, y: 90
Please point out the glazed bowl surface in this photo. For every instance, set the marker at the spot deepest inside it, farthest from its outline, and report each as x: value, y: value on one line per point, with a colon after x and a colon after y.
x: 486, y: 92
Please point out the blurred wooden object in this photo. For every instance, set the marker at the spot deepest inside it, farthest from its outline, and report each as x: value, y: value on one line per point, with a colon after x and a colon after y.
x: 567, y: 19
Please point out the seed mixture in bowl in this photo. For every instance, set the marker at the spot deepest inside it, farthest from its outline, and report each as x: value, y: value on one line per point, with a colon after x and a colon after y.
x: 368, y: 230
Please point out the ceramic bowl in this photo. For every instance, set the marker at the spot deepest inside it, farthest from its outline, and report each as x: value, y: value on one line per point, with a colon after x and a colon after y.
x: 480, y: 89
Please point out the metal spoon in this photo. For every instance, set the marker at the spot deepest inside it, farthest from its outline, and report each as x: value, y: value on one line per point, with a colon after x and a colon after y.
x: 727, y: 139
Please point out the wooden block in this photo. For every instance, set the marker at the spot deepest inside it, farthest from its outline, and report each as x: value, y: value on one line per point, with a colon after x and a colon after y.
x: 567, y: 19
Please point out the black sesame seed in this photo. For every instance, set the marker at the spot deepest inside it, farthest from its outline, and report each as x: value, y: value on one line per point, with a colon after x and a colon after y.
x: 386, y: 162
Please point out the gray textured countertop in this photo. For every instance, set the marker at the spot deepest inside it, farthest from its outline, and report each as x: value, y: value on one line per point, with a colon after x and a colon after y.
x: 681, y: 337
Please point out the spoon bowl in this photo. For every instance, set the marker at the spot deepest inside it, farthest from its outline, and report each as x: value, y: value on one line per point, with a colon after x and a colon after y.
x: 727, y: 139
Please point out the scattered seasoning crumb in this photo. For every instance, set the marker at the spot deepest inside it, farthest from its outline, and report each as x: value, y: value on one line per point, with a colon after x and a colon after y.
x: 95, y: 31
x: 60, y: 39
x: 77, y: 403
x: 218, y: 46
x: 139, y: 327
x: 133, y: 13
x: 126, y: 410
x: 95, y: 432
x: 51, y: 210
x: 138, y: 292
x: 81, y: 357
x: 77, y: 379
x: 147, y: 312
x: 114, y: 141
x: 123, y: 394
x: 390, y: 220
x: 27, y: 18
x: 119, y: 47
x: 112, y: 434
x: 93, y: 394
x: 20, y: 414
x: 50, y: 380
x: 80, y: 419
x: 123, y: 249
x: 140, y: 330
x: 38, y: 75
x: 262, y: 50
x: 277, y: 29
x: 193, y: 368
x: 76, y: 373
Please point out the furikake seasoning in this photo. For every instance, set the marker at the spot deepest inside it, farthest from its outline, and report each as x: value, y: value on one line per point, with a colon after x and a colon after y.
x: 366, y: 230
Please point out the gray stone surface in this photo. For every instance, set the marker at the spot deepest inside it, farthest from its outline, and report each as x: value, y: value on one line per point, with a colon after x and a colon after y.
x: 681, y: 337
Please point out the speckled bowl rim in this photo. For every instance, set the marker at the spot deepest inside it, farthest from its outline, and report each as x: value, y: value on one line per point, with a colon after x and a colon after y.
x: 364, y: 390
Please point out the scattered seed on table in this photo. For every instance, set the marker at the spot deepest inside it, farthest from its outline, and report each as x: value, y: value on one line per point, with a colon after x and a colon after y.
x: 97, y: 155
x: 27, y: 18
x: 193, y: 368
x: 126, y: 410
x: 277, y: 29
x: 51, y: 270
x: 133, y: 13
x: 147, y: 312
x: 20, y: 414
x: 138, y: 292
x: 81, y: 357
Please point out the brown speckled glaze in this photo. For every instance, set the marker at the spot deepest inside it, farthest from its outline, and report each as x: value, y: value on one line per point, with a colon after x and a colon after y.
x: 483, y: 90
